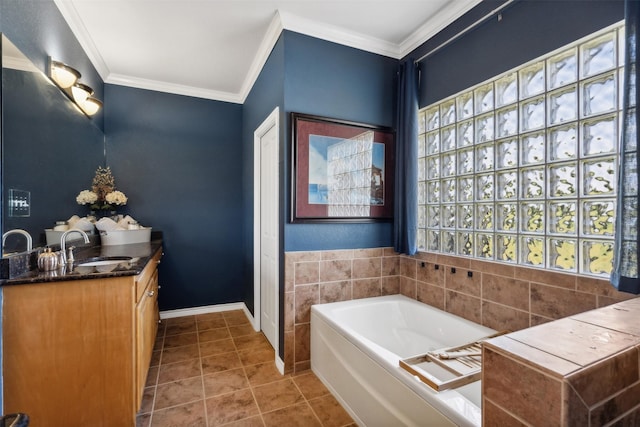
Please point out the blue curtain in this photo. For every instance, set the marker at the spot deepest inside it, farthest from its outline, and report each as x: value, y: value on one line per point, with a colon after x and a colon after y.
x: 625, y: 269
x: 406, y: 187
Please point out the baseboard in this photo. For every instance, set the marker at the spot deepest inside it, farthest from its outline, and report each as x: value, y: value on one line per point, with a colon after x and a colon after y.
x: 279, y: 364
x: 168, y: 314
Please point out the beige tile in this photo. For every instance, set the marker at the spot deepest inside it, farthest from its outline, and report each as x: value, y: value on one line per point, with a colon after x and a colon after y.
x: 335, y: 270
x: 365, y: 288
x: 215, y: 334
x: 390, y: 285
x: 495, y: 416
x: 408, y: 267
x: 143, y: 420
x: 240, y: 330
x: 180, y: 354
x: 457, y: 279
x: 255, y: 421
x: 209, y: 348
x: 224, y: 382
x: 305, y: 365
x: 229, y: 407
x: 289, y: 312
x: 180, y: 340
x: 302, y: 349
x: 368, y: 253
x: 276, y: 395
x: 306, y: 272
x: 495, y: 268
x: 614, y: 406
x: 289, y: 351
x: 503, y: 318
x: 310, y: 386
x: 430, y: 294
x: 453, y: 261
x: 180, y: 320
x: 562, y: 280
x: 539, y: 320
x: 220, y: 362
x: 620, y: 317
x: 529, y: 355
x: 178, y: 393
x: 575, y: 410
x: 612, y: 375
x: 366, y: 268
x: 263, y: 373
x: 147, y: 400
x: 583, y: 343
x: 530, y: 395
x: 389, y: 252
x: 329, y: 411
x: 431, y: 273
x: 463, y: 305
x: 346, y: 254
x: 292, y: 416
x: 179, y: 370
x: 206, y: 317
x: 211, y: 323
x: 390, y: 266
x: 235, y: 318
x: 180, y: 328
x: 335, y: 291
x: 303, y: 256
x: 250, y: 341
x: 253, y: 356
x: 305, y: 297
x: 152, y: 376
x: 506, y: 291
x: 554, y: 302
x: 191, y: 414
x: 408, y: 287
x: 156, y: 356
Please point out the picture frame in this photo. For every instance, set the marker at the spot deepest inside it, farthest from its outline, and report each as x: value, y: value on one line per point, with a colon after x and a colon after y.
x: 341, y: 171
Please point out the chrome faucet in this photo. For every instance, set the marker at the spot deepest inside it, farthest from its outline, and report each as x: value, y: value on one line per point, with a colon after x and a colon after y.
x: 68, y: 259
x: 19, y: 231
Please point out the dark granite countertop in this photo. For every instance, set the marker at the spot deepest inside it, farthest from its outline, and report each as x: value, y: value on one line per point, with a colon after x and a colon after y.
x: 140, y: 254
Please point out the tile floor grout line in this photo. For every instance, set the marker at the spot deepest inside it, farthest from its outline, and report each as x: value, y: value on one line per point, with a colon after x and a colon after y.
x: 204, y: 393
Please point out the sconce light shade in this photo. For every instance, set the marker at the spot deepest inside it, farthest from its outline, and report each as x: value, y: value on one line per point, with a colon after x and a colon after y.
x: 91, y: 106
x: 81, y: 92
x: 64, y: 75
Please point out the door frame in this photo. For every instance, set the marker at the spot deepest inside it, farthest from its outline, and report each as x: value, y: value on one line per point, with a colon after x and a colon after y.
x: 272, y: 121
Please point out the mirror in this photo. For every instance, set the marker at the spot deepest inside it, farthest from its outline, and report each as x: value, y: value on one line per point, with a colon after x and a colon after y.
x: 50, y: 151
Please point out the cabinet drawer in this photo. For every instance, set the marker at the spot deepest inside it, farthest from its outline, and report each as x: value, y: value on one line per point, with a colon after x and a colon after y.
x: 142, y: 279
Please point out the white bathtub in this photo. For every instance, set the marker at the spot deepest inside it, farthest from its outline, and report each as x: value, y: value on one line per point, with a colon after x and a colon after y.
x: 355, y: 349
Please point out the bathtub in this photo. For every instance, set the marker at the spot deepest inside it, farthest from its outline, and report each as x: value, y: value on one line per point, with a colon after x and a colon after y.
x: 355, y: 349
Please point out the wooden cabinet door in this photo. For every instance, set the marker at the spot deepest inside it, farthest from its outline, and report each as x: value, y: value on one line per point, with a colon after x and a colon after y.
x: 147, y: 327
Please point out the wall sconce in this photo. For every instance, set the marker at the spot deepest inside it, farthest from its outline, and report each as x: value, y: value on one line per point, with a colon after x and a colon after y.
x: 66, y: 78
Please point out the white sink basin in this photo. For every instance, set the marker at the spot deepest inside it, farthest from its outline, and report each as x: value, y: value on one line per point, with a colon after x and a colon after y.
x: 96, y: 262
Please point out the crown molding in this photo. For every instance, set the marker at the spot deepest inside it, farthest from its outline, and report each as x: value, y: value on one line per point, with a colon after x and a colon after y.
x: 262, y: 55
x: 437, y: 23
x: 338, y: 35
x: 159, y: 86
x: 71, y: 15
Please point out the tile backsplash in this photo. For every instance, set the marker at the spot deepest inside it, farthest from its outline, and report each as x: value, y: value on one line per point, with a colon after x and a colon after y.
x: 500, y: 296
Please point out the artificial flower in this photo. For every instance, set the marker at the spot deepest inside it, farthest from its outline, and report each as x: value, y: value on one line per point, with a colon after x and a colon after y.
x: 116, y: 198
x: 86, y: 197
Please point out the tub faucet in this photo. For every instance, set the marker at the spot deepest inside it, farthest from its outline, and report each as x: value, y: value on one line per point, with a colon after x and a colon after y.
x: 68, y: 259
x: 19, y: 231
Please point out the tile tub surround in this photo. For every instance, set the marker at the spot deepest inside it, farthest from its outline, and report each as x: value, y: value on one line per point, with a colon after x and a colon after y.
x: 214, y: 369
x: 500, y: 296
x: 582, y: 370
x: 315, y: 277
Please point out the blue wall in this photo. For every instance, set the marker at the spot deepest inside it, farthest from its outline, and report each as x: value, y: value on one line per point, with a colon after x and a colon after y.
x: 331, y: 80
x: 179, y: 160
x: 267, y: 94
x: 528, y: 29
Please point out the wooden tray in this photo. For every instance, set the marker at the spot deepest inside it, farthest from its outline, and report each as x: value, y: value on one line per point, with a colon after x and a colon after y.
x: 440, y: 371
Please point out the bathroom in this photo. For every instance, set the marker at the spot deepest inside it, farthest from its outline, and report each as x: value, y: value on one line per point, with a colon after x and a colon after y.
x: 187, y: 166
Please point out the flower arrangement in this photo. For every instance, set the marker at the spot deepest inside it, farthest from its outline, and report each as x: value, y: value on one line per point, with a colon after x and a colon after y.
x: 103, y: 194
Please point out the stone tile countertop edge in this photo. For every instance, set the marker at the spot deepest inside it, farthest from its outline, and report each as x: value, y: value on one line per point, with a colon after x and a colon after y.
x: 140, y: 253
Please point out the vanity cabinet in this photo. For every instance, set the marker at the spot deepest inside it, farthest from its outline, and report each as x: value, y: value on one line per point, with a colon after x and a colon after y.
x: 77, y: 352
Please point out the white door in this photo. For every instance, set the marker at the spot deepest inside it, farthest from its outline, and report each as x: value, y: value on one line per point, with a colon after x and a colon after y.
x: 269, y: 235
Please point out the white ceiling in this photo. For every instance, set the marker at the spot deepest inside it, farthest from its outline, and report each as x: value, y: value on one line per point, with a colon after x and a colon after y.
x: 215, y: 49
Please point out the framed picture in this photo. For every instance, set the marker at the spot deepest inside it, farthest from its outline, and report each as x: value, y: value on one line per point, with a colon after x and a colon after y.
x: 341, y: 171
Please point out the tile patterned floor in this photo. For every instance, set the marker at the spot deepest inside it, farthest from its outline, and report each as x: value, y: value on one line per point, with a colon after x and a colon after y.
x: 215, y: 370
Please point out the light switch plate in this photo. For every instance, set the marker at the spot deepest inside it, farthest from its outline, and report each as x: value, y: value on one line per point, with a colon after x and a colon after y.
x: 19, y: 203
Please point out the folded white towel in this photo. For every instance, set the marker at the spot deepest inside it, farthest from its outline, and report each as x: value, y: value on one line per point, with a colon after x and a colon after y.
x: 124, y: 222
x: 83, y: 224
x: 72, y: 221
x: 107, y: 224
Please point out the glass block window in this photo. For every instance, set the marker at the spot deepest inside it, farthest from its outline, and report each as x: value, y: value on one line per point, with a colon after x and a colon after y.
x: 522, y: 168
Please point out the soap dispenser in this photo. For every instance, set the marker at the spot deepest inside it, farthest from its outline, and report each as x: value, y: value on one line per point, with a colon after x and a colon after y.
x: 47, y: 260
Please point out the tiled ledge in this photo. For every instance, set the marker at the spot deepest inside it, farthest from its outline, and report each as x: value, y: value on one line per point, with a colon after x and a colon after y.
x: 579, y: 371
